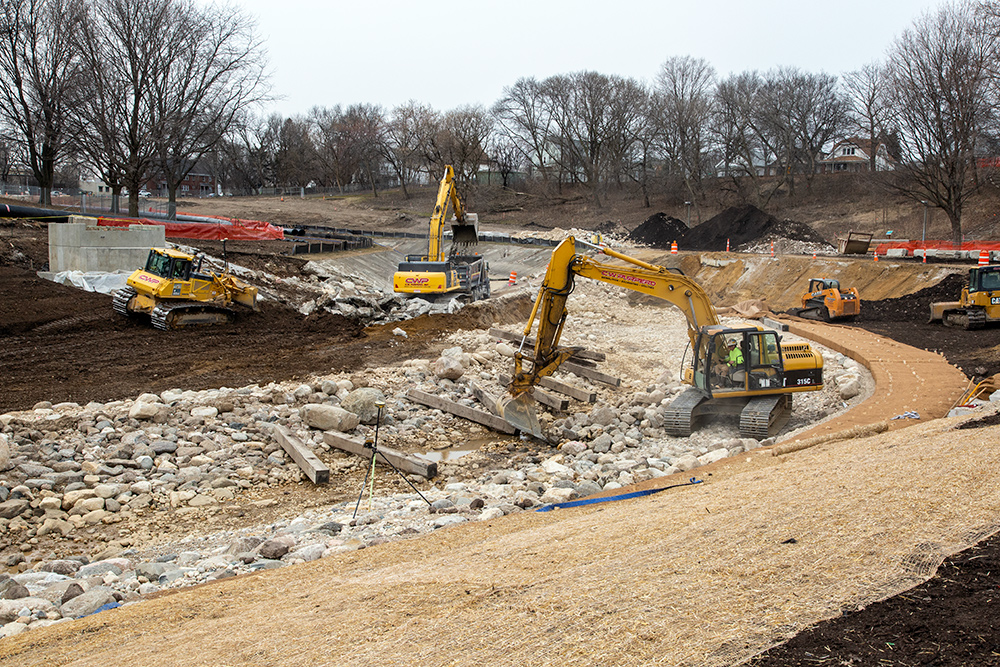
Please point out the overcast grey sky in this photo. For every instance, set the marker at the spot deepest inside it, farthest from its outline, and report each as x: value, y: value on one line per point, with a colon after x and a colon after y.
x: 449, y: 54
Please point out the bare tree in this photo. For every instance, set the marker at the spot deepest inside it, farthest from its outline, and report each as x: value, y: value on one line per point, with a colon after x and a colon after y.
x: 944, y: 98
x: 401, y: 145
x: 819, y: 114
x: 505, y: 157
x: 871, y: 112
x: 211, y: 69
x: 295, y: 155
x: 462, y: 141
x: 522, y: 117
x: 39, y: 73
x: 120, y: 43
x: 681, y: 113
x: 248, y: 154
x: 747, y: 149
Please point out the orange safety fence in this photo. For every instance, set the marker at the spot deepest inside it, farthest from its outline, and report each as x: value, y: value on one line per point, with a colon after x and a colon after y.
x: 911, y: 246
x: 235, y: 230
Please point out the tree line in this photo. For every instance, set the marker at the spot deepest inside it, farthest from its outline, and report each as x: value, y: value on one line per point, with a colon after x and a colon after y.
x: 134, y: 89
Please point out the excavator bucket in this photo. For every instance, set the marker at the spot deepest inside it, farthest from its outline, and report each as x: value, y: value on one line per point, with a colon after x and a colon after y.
x: 467, y: 233
x: 520, y: 413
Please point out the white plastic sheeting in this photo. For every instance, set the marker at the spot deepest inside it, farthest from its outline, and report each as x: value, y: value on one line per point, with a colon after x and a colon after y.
x: 92, y: 281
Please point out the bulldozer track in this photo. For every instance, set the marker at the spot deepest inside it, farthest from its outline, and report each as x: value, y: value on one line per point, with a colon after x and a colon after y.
x: 166, y: 317
x: 119, y: 302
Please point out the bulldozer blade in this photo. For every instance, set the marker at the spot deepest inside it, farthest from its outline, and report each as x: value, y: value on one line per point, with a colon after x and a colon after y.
x: 520, y: 413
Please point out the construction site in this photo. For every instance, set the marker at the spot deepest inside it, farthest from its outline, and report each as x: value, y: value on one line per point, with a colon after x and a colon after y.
x: 317, y: 465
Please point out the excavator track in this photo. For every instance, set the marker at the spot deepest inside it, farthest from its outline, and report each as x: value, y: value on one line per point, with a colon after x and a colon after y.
x: 167, y: 316
x: 765, y: 416
x: 119, y: 303
x: 680, y: 417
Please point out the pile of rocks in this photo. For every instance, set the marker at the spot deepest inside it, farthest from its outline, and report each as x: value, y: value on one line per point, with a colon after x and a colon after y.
x: 70, y: 470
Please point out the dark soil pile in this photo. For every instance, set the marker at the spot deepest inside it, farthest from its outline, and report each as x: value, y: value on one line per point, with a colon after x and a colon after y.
x: 659, y: 231
x: 739, y: 226
x: 905, y: 319
x: 951, y: 620
x: 913, y: 307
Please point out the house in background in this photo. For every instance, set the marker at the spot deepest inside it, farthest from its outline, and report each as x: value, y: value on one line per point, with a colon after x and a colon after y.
x: 853, y: 155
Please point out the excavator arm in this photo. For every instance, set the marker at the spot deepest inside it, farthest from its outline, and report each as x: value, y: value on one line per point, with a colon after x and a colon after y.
x: 447, y: 195
x: 550, y: 305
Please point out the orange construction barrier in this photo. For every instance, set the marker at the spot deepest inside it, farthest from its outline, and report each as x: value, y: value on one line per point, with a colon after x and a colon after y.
x: 984, y: 257
x: 673, y: 248
x: 513, y: 278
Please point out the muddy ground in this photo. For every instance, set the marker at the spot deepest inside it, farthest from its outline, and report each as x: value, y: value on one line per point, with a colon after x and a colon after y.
x: 60, y: 344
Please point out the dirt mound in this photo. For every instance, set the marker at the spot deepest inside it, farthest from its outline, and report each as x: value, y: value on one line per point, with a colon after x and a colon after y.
x: 913, y: 307
x: 746, y: 226
x: 659, y: 231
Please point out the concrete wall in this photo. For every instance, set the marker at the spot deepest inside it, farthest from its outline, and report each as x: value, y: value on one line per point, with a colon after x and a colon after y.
x: 80, y: 245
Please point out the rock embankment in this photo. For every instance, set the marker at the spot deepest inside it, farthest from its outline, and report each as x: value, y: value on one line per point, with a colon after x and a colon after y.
x: 101, y: 481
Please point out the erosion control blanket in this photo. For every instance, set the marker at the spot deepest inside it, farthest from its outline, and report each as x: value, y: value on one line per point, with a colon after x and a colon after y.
x: 236, y: 230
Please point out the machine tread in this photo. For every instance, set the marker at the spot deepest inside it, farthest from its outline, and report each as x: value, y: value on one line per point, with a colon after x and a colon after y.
x: 119, y: 302
x: 765, y: 416
x: 167, y: 316
x: 680, y: 417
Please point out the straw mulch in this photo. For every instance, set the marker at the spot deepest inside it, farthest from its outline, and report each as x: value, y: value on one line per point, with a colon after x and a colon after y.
x: 699, y: 575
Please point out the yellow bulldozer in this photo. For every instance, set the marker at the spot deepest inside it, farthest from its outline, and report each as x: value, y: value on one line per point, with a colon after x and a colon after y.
x: 826, y: 300
x: 173, y: 292
x: 746, y: 372
x: 977, y: 306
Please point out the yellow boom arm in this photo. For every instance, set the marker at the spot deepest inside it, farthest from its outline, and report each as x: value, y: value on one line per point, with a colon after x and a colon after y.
x: 447, y: 194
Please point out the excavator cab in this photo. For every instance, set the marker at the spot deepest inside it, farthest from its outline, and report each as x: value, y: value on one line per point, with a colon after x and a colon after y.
x: 738, y: 360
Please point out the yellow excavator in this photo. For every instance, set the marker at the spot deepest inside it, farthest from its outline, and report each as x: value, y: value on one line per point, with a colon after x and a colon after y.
x: 173, y: 292
x: 462, y: 273
x: 977, y: 306
x: 734, y: 371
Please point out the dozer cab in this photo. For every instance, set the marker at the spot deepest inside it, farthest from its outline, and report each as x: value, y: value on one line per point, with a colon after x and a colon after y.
x: 746, y: 372
x: 463, y: 273
x: 977, y: 306
x: 826, y: 300
x: 173, y: 292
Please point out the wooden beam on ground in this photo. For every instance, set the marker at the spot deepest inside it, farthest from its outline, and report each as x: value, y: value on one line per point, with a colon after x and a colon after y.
x: 488, y: 400
x: 530, y: 342
x: 590, y: 374
x: 314, y: 469
x: 413, y: 465
x: 569, y: 390
x: 459, y: 410
x: 543, y: 397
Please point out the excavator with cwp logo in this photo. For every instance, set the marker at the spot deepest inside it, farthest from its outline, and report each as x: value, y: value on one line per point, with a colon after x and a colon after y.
x: 743, y: 371
x: 462, y: 274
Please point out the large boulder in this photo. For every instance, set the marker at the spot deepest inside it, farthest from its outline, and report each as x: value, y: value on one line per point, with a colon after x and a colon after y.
x: 329, y: 417
x: 362, y: 402
x: 4, y: 453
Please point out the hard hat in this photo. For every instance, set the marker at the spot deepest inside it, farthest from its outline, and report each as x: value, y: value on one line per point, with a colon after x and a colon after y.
x: 731, y: 343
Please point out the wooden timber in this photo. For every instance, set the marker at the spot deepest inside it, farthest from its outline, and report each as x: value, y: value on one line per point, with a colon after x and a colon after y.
x: 530, y: 342
x: 314, y: 469
x: 480, y: 417
x: 413, y: 465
